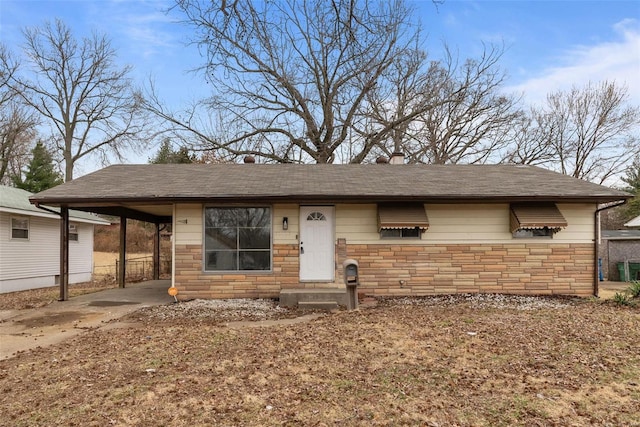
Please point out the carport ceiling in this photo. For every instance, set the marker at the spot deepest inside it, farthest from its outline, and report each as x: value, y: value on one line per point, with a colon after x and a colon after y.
x: 158, y: 214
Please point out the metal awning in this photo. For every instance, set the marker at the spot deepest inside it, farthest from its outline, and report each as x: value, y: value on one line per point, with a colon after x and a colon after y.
x: 536, y: 216
x: 399, y: 216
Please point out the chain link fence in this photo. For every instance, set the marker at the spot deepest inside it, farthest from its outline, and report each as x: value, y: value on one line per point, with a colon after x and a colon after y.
x: 137, y: 269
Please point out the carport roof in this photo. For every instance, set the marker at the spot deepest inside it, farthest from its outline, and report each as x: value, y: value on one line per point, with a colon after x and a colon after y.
x: 168, y: 183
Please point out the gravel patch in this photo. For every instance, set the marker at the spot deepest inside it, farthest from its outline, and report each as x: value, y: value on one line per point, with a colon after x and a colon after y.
x: 219, y: 310
x: 230, y: 310
x: 483, y: 301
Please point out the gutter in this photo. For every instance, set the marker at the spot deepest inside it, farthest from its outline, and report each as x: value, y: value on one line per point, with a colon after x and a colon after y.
x: 48, y: 210
x: 596, y: 246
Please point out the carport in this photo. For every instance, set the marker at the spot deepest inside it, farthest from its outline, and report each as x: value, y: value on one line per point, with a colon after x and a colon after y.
x: 81, y: 195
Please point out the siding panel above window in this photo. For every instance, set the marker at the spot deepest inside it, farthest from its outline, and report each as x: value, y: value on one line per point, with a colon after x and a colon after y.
x: 536, y: 217
x: 400, y: 216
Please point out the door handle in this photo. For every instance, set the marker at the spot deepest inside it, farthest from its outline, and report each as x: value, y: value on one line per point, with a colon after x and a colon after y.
x: 301, y: 250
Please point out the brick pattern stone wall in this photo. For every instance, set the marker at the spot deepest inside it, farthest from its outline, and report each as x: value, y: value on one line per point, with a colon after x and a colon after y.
x: 510, y: 268
x: 193, y: 282
x: 391, y: 269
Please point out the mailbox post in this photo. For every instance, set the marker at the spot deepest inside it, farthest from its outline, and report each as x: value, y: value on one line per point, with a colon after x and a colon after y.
x: 351, y: 281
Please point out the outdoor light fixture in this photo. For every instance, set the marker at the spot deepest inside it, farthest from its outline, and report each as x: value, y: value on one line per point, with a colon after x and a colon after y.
x: 285, y: 223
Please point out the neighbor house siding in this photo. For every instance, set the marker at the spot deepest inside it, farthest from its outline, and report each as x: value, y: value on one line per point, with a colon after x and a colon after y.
x: 467, y: 248
x: 35, y: 263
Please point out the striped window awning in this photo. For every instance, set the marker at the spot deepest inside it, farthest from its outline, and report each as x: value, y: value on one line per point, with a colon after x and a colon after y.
x: 536, y: 216
x: 402, y: 216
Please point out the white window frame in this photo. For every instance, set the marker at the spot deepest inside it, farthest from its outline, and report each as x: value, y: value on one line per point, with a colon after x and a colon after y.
x: 238, y: 270
x: 73, y: 231
x: 14, y: 228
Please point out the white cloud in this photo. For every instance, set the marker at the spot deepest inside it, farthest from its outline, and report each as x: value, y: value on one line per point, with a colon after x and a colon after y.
x: 142, y: 26
x: 617, y: 60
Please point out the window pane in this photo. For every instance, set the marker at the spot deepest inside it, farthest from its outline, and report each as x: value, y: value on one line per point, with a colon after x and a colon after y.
x: 221, y: 260
x: 255, y: 260
x: 73, y: 237
x: 221, y: 217
x: 20, y: 223
x: 530, y: 233
x: 410, y: 232
x: 221, y: 238
x: 19, y: 234
x: 254, y: 217
x: 390, y: 233
x: 255, y: 238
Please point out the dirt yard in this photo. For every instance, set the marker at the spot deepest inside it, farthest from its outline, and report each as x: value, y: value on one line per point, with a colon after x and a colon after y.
x: 442, y: 361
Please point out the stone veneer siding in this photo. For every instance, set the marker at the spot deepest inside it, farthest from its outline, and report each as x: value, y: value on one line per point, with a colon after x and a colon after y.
x: 460, y: 268
x: 193, y: 282
x: 527, y: 268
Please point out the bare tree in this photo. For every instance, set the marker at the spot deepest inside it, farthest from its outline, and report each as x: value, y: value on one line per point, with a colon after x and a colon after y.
x: 470, y: 118
x: 17, y: 124
x: 589, y: 133
x: 530, y: 145
x: 77, y: 88
x: 292, y: 77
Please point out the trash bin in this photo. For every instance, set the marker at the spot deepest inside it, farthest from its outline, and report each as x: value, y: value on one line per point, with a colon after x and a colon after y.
x: 634, y: 271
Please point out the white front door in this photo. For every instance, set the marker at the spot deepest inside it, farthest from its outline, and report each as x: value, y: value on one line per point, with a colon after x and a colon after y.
x: 316, y: 243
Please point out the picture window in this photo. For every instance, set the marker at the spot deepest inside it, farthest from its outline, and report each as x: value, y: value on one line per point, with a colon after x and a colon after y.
x: 237, y: 239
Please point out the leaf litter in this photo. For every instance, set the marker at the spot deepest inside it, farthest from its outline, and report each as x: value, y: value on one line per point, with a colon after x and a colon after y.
x: 441, y: 361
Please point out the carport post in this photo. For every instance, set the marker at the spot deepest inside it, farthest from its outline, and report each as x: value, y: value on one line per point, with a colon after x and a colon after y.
x: 64, y: 253
x: 123, y: 251
x: 156, y: 253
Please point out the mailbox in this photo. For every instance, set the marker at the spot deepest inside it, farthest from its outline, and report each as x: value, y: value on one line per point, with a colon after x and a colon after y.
x: 351, y: 281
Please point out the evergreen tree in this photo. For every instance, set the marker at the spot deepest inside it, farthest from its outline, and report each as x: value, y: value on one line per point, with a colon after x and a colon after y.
x: 166, y: 154
x: 632, y: 179
x: 633, y: 176
x: 41, y: 173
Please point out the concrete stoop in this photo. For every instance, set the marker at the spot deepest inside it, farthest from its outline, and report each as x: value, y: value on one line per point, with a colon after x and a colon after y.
x: 317, y: 299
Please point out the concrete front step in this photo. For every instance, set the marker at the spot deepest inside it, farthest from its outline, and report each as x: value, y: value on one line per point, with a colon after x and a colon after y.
x: 293, y: 297
x: 317, y: 305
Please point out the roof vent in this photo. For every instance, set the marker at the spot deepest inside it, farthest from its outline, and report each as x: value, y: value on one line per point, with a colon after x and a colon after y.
x: 397, y: 158
x: 382, y: 160
x: 249, y: 159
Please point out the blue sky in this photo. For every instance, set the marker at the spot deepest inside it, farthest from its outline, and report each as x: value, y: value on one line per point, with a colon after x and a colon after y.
x: 550, y: 44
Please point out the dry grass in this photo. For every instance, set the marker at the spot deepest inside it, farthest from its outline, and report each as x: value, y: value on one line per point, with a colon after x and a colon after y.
x: 442, y: 363
x: 35, y: 298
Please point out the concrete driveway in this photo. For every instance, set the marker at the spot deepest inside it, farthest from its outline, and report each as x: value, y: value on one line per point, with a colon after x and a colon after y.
x: 21, y: 330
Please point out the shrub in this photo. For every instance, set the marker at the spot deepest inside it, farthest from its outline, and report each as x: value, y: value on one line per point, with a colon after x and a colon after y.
x: 634, y: 289
x: 622, y: 299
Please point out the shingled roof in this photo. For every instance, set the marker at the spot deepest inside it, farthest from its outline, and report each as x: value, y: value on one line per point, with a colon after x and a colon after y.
x: 156, y: 184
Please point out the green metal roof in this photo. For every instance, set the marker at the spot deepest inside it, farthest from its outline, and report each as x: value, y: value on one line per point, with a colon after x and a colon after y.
x: 18, y: 199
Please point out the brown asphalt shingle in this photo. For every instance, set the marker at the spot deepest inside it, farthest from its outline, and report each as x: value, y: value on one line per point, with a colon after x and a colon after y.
x: 198, y: 182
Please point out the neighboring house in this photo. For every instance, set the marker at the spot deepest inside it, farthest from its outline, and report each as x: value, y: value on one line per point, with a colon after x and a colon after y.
x: 635, y: 222
x: 617, y: 247
x: 252, y: 230
x: 30, y: 244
